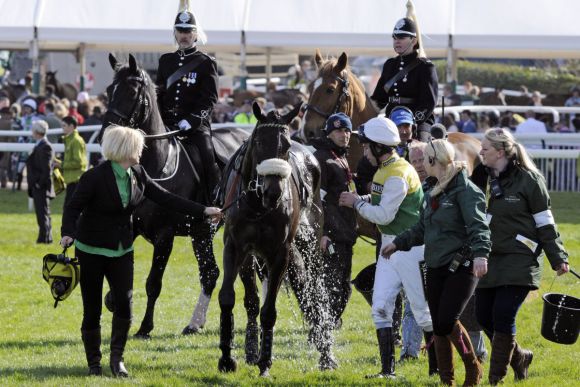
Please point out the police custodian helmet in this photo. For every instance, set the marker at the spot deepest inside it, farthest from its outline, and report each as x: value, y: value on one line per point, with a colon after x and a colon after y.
x: 185, y: 21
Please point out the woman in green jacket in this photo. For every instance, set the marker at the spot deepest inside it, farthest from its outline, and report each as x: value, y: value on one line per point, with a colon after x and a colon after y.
x: 74, y: 162
x: 522, y: 225
x: 451, y: 222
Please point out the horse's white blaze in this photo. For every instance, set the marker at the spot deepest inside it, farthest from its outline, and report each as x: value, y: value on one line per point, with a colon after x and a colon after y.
x: 277, y: 167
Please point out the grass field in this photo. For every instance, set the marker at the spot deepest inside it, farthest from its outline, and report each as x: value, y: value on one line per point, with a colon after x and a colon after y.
x: 40, y: 345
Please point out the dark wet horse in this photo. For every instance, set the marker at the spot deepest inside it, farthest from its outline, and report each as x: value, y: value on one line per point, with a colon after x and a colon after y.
x: 133, y: 103
x: 274, y: 214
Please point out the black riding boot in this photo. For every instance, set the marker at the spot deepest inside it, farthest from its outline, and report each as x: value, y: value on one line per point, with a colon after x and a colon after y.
x: 119, y: 335
x: 211, y: 172
x: 387, y: 351
x: 92, y: 343
x: 430, y: 346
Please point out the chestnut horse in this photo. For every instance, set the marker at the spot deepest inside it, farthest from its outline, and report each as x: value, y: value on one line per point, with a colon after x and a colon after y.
x: 337, y: 89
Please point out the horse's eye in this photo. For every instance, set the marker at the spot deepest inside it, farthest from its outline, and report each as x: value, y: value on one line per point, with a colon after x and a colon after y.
x: 330, y: 90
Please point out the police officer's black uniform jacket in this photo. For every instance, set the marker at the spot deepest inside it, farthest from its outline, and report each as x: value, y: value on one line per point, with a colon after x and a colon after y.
x: 193, y: 96
x: 339, y: 222
x: 417, y: 90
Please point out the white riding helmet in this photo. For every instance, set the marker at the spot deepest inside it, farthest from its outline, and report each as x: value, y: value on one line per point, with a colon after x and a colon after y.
x: 380, y: 130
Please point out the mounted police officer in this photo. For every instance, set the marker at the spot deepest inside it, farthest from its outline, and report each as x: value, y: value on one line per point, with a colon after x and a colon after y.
x: 409, y: 79
x: 187, y: 82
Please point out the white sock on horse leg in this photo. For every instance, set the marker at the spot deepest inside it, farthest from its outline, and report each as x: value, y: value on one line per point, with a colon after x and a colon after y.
x: 200, y: 311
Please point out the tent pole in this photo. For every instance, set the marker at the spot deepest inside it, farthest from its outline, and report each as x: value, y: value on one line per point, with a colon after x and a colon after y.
x: 34, y: 53
x: 268, y: 64
x: 81, y: 58
x: 243, y: 69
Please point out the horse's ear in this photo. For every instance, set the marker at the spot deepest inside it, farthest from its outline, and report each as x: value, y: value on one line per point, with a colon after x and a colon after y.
x: 318, y: 58
x: 113, y: 61
x: 341, y: 63
x: 132, y: 63
x: 258, y: 113
x: 288, y: 117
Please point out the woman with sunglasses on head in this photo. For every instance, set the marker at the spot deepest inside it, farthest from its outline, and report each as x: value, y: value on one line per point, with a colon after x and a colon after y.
x: 522, y: 225
x: 457, y: 243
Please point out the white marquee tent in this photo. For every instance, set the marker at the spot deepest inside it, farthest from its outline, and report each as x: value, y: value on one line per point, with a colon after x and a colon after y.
x: 491, y: 28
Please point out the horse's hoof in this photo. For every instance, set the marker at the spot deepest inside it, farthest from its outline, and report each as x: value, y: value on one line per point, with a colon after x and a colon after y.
x: 327, y: 363
x: 251, y: 358
x: 227, y: 364
x: 264, y: 366
x: 142, y: 335
x: 190, y: 330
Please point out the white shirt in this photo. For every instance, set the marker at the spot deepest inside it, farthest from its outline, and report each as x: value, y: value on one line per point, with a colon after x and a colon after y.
x: 531, y: 125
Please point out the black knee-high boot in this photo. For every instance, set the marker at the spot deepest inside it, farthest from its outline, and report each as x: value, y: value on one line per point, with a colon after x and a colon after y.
x: 387, y: 351
x: 431, y: 355
x: 92, y: 343
x: 119, y: 334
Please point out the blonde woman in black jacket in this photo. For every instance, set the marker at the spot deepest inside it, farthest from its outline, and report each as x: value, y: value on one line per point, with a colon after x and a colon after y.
x: 98, y: 219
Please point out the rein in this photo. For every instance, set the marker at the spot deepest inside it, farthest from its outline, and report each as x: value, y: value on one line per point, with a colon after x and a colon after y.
x: 344, y: 94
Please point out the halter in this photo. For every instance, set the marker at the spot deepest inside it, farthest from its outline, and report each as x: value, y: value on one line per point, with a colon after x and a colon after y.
x: 344, y: 94
x: 256, y: 184
x: 142, y: 101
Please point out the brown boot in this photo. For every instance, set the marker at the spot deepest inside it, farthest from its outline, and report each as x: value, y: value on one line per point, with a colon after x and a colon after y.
x: 502, y: 347
x: 444, y: 354
x: 460, y: 339
x: 521, y: 360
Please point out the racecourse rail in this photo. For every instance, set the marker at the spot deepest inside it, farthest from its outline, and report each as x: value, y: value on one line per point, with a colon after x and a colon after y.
x: 557, y: 155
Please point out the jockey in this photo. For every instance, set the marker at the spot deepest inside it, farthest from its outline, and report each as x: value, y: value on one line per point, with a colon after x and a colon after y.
x: 187, y: 82
x: 408, y: 79
x: 394, y: 206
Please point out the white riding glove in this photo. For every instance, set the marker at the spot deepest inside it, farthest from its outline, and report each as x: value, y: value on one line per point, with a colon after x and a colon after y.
x: 184, y: 125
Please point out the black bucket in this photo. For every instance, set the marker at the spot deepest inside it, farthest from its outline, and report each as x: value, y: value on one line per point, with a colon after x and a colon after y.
x: 561, y: 318
x: 365, y: 281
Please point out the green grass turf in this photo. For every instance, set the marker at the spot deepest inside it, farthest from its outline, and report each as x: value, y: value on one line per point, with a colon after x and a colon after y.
x: 40, y: 345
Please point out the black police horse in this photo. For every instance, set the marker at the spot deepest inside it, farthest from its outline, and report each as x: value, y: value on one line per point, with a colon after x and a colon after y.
x: 133, y: 103
x: 273, y: 213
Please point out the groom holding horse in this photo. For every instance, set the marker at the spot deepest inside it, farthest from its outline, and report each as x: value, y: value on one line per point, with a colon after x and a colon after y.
x: 187, y: 82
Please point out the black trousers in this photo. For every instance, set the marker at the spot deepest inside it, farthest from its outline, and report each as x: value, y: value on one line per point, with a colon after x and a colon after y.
x: 338, y: 279
x: 202, y: 140
x: 119, y: 274
x: 42, y: 209
x: 70, y: 190
x: 496, y: 308
x: 447, y: 295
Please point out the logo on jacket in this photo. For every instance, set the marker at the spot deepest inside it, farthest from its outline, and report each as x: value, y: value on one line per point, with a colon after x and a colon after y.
x: 377, y: 188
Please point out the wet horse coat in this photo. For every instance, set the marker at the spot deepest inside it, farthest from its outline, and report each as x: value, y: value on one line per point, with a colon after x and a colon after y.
x: 275, y: 215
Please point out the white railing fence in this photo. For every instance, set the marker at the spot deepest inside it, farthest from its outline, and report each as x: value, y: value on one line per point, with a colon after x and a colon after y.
x: 557, y: 155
